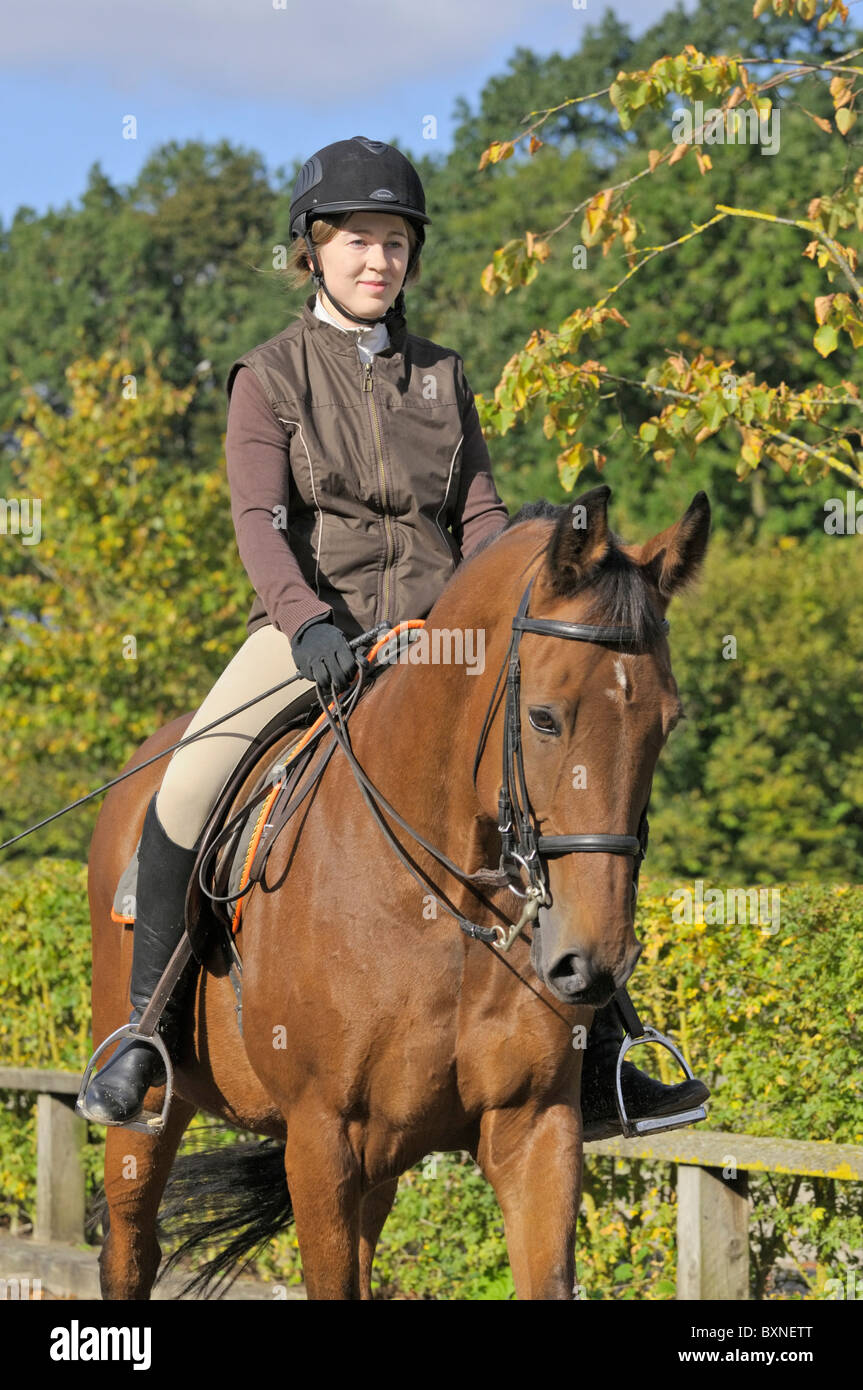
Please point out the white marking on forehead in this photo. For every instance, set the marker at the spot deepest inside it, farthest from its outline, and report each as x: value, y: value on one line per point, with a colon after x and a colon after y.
x: 622, y: 681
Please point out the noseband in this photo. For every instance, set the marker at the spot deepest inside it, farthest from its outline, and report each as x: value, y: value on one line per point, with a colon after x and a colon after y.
x: 521, y: 845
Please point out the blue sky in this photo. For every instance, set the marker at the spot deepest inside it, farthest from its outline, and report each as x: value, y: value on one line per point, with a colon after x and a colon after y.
x: 278, y: 76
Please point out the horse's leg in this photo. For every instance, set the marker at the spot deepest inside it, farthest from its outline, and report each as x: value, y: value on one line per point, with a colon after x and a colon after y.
x: 136, y: 1170
x: 377, y: 1206
x: 324, y: 1180
x: 532, y: 1158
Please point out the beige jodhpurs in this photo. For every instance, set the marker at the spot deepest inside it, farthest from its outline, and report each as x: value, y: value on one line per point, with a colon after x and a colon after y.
x: 196, y: 776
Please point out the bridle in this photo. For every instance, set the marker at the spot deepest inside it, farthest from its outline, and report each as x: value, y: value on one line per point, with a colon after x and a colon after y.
x: 521, y: 844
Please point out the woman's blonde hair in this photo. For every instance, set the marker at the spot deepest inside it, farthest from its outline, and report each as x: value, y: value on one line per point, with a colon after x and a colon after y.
x: 323, y: 229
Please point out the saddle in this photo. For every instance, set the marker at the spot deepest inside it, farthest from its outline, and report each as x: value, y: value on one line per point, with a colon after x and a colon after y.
x: 254, y: 805
x: 243, y: 823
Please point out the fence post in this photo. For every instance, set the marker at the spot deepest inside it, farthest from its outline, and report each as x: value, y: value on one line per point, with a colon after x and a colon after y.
x: 60, y: 1185
x: 712, y: 1234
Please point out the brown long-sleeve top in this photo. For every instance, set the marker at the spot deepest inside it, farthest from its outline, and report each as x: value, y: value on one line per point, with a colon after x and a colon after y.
x: 257, y: 462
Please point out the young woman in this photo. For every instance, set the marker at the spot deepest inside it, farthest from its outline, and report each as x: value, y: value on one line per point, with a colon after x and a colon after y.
x: 359, y: 478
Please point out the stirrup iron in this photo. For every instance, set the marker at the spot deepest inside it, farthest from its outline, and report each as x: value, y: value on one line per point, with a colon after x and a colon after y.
x: 146, y: 1121
x: 632, y: 1129
x: 636, y: 1032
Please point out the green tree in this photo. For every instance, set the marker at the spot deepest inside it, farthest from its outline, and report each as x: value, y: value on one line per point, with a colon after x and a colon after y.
x: 127, y: 606
x: 689, y: 362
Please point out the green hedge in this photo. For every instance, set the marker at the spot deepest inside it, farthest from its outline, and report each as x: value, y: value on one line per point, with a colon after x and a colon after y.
x: 768, y: 1014
x: 763, y: 780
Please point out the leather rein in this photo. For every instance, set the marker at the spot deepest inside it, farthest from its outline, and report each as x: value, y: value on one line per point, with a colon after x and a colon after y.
x: 522, y: 847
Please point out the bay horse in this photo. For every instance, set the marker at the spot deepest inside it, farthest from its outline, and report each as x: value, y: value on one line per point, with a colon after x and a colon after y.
x: 374, y: 1030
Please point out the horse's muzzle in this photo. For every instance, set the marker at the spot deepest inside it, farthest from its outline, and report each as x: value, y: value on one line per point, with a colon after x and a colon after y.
x: 575, y: 977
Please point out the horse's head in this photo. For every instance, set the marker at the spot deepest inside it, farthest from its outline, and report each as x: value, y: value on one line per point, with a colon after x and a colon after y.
x: 594, y: 717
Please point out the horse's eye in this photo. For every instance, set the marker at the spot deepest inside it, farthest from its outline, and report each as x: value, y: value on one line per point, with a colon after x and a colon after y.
x: 543, y: 720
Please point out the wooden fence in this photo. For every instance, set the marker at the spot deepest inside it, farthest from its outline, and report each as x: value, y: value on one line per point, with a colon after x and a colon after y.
x: 712, y: 1181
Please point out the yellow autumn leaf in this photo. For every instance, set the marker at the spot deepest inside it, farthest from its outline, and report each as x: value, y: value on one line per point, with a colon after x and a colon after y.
x: 844, y: 120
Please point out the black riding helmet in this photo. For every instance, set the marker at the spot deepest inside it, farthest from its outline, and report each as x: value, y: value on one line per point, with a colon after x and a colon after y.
x: 355, y: 176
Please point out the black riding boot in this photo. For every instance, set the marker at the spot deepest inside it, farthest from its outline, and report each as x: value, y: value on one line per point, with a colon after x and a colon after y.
x: 644, y: 1098
x: 116, y: 1094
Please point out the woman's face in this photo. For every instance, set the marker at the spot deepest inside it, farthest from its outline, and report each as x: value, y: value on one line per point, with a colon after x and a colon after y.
x: 365, y: 264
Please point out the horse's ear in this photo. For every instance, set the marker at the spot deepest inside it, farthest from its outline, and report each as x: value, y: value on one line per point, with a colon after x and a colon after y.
x: 578, y: 544
x: 674, y: 557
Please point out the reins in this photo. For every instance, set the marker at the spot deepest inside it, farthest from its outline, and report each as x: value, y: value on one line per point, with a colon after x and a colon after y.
x: 521, y: 845
x: 206, y: 732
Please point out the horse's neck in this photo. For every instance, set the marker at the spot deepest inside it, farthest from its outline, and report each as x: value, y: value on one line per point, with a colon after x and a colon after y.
x: 417, y: 740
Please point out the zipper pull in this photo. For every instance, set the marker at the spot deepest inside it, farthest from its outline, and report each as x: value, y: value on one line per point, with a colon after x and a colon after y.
x: 367, y: 380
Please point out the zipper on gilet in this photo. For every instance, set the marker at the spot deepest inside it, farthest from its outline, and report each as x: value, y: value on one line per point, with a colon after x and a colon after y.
x: 368, y: 391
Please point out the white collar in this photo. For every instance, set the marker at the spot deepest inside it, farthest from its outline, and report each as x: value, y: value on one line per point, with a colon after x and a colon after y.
x: 374, y: 337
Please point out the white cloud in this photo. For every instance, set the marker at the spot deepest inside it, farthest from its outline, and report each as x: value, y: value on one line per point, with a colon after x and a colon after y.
x: 333, y: 50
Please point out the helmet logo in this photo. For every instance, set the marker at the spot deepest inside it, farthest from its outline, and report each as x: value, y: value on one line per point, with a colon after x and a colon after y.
x: 383, y: 194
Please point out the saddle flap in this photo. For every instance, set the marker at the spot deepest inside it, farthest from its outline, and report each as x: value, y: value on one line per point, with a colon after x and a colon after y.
x: 257, y: 768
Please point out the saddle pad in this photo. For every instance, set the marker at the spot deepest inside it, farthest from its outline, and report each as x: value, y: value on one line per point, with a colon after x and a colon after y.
x: 245, y: 844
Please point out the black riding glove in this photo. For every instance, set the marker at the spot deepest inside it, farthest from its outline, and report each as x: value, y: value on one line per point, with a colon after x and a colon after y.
x: 322, y: 654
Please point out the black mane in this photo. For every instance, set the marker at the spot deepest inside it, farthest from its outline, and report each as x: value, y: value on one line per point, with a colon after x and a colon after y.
x: 621, y: 597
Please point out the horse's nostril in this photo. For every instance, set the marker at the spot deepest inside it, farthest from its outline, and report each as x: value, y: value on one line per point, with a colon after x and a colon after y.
x: 570, y: 967
x: 576, y: 980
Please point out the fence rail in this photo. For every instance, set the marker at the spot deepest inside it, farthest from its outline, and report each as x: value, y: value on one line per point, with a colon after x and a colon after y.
x: 713, y: 1170
x: 712, y: 1181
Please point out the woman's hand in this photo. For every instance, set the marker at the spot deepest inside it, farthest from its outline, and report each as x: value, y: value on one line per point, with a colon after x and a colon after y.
x: 322, y: 654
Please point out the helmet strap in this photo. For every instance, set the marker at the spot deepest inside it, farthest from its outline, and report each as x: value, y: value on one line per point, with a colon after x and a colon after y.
x: 397, y: 308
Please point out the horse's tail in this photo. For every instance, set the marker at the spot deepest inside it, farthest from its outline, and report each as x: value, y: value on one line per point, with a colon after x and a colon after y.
x: 236, y: 1194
